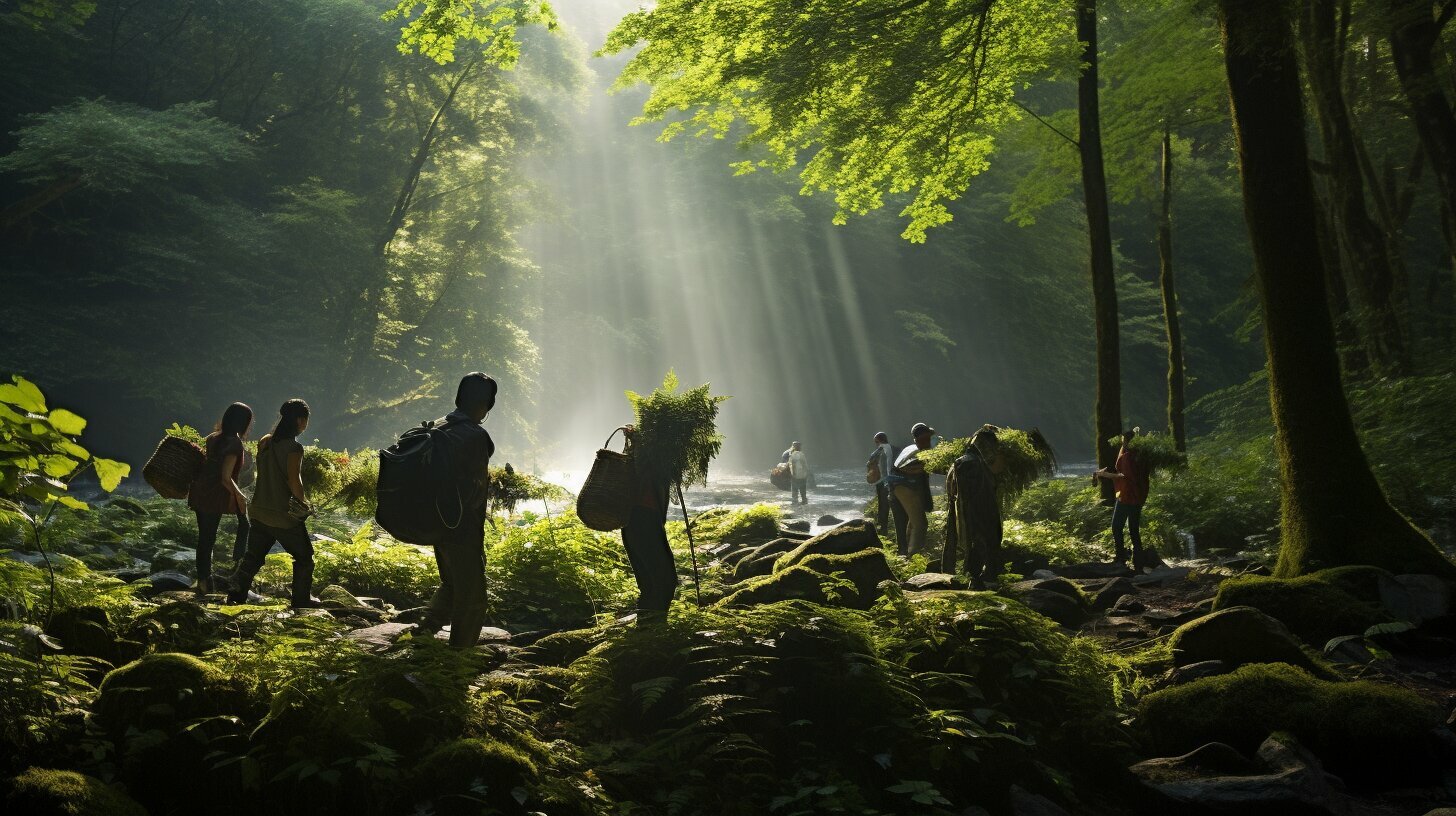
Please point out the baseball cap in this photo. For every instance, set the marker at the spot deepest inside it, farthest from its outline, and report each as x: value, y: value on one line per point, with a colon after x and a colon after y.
x: 921, y: 428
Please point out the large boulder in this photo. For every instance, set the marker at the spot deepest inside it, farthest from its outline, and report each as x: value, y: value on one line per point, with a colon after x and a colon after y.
x: 849, y: 537
x: 1367, y: 732
x: 1320, y: 605
x: 1237, y: 636
x: 379, y: 637
x: 934, y: 580
x: 166, y: 688
x: 170, y: 581
x: 1215, y: 778
x: 48, y: 792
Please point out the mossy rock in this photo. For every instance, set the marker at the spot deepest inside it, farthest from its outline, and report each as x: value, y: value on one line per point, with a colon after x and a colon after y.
x: 1316, y: 607
x: 167, y: 687
x: 124, y: 504
x: 758, y: 523
x: 338, y: 596
x: 1238, y: 635
x: 850, y: 537
x: 49, y: 792
x: 806, y: 581
x: 458, y: 776
x: 760, y: 560
x: 1362, y: 730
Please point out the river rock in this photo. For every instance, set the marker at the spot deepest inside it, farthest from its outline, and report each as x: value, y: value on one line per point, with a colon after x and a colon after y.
x: 32, y: 558
x: 131, y: 506
x: 380, y: 637
x: 169, y: 581
x: 1061, y: 586
x: 829, y: 521
x: 1427, y: 597
x: 798, y: 525
x: 934, y: 580
x: 338, y: 596
x: 1349, y: 649
x: 1093, y: 569
x: 174, y: 560
x: 849, y: 537
x: 1104, y: 593
x: 1127, y: 605
x: 488, y: 634
x: 1043, y: 574
x: 1215, y: 778
x: 1054, y: 605
x: 760, y: 560
x: 1171, y: 617
x: 1238, y: 635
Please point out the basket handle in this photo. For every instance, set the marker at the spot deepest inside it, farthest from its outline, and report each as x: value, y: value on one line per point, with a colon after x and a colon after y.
x: 626, y: 443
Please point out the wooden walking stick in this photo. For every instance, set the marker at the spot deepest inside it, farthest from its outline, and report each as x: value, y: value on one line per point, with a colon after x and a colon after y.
x: 692, y: 550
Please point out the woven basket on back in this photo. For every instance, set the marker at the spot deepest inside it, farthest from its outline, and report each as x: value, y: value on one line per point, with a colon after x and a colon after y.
x: 605, y: 501
x: 173, y: 466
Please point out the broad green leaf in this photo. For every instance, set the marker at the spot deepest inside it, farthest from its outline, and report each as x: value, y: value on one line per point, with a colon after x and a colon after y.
x: 111, y: 473
x: 73, y: 450
x: 73, y: 503
x: 24, y: 395
x: 66, y: 422
x: 58, y: 465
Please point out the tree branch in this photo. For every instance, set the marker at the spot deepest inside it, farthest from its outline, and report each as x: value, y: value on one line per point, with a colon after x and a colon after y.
x: 1049, y: 125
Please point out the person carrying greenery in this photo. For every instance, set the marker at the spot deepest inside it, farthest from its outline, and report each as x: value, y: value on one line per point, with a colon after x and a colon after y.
x: 911, y: 485
x: 460, y: 600
x: 645, y: 539
x: 279, y: 508
x: 215, y: 492
x: 1131, y: 481
x: 973, y: 528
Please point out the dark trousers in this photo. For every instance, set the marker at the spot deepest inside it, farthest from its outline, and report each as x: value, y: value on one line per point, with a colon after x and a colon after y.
x: 882, y: 510
x: 295, y: 542
x: 207, y: 524
x: 461, y: 598
x: 1131, y: 517
x: 651, y: 557
x: 799, y: 489
x: 902, y: 523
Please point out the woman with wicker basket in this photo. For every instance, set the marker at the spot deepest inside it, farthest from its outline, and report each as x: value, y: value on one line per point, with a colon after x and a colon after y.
x: 645, y: 539
x: 279, y: 508
x: 215, y: 492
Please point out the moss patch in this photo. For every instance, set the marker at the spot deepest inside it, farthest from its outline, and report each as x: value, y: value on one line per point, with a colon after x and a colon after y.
x: 756, y: 524
x: 172, y: 686
x: 1363, y: 730
x: 1316, y: 607
x: 47, y: 792
x: 855, y: 584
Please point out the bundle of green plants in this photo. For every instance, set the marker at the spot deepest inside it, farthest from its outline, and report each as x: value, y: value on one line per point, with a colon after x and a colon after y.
x: 677, y: 433
x: 1156, y: 452
x: 510, y: 487
x: 556, y: 572
x: 322, y: 472
x: 1018, y: 458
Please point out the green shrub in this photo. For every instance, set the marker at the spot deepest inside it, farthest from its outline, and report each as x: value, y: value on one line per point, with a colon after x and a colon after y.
x: 556, y: 572
x: 1362, y: 730
x: 1042, y: 539
x: 401, y: 574
x: 1316, y: 607
x: 1156, y: 452
x: 48, y: 792
x: 36, y: 695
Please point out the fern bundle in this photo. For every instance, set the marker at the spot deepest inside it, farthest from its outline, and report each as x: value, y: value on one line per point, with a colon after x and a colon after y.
x: 677, y: 434
x: 1155, y: 452
x: 509, y: 487
x: 1018, y: 458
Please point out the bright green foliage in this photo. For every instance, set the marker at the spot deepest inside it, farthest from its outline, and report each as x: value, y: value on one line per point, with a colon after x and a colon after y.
x: 491, y: 23
x: 677, y: 435
x: 887, y: 97
x: 1155, y: 452
x: 756, y: 523
x: 1032, y: 539
x: 510, y: 487
x: 556, y: 571
x: 27, y: 586
x: 1362, y: 728
x: 43, y: 790
x: 1020, y: 458
x: 376, y: 566
x: 39, y: 455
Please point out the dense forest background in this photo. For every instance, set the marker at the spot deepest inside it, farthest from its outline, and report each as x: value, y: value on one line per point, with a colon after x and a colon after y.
x: 211, y: 201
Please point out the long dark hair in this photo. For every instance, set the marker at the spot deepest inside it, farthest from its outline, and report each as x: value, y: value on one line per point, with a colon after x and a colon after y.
x: 236, y: 420
x: 288, y: 416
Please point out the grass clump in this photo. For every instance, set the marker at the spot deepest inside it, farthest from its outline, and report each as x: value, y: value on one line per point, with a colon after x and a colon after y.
x: 1361, y: 730
x: 677, y: 435
x: 1316, y: 607
x: 755, y: 524
x: 67, y: 793
x: 556, y: 572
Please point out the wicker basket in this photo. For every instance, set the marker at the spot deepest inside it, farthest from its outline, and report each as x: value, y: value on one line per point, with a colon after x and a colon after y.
x: 173, y: 466
x: 606, y: 499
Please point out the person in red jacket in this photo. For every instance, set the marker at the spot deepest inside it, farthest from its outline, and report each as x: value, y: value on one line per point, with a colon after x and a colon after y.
x: 1131, y: 481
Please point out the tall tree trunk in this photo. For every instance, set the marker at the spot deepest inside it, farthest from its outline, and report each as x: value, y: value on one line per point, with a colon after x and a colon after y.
x: 1362, y: 243
x: 1333, y: 509
x: 1413, y: 35
x: 1108, y: 410
x: 1176, y: 375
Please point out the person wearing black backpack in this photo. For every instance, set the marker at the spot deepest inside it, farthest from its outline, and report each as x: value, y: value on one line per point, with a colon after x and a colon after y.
x: 460, y: 551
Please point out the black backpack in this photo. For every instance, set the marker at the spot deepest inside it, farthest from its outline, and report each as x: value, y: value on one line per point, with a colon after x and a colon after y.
x: 418, y: 494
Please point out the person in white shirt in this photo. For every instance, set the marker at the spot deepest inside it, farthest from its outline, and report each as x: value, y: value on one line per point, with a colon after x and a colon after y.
x: 799, y: 472
x: 883, y: 459
x: 912, y: 487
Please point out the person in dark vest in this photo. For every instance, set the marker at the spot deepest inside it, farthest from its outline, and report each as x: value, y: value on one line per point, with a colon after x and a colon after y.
x: 279, y: 508
x: 1131, y: 480
x: 215, y: 492
x: 461, y: 599
x: 973, y: 522
x: 645, y: 538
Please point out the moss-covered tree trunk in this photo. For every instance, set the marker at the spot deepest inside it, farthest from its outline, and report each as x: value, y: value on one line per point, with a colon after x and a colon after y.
x: 1333, y: 509
x: 1107, y: 417
x: 1176, y: 375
